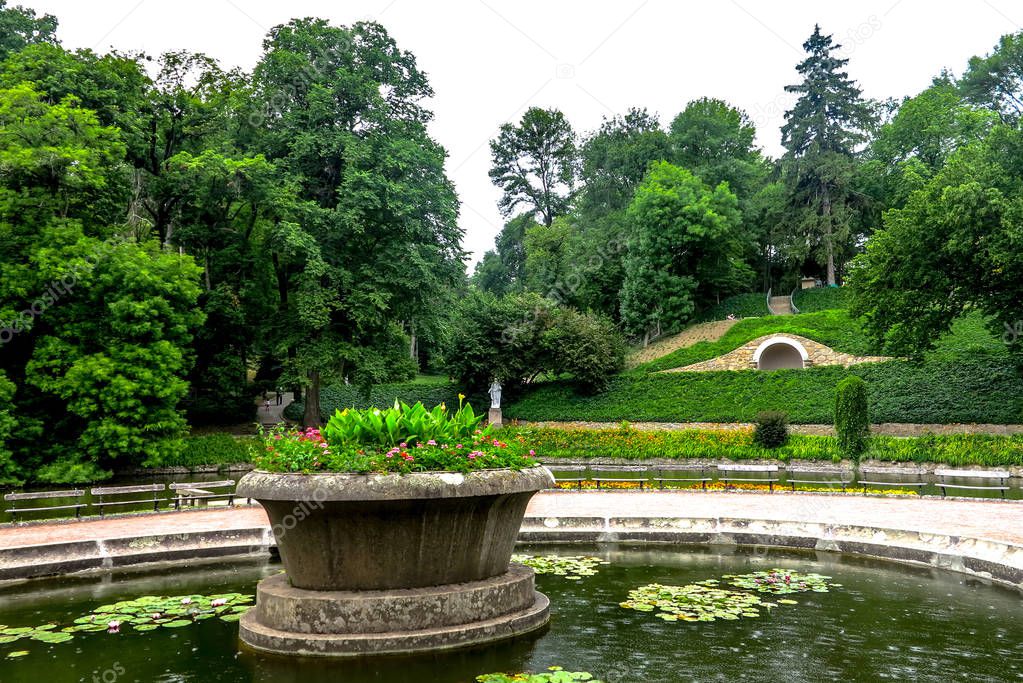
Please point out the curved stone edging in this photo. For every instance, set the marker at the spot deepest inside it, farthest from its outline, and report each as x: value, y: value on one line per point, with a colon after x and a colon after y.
x: 985, y: 558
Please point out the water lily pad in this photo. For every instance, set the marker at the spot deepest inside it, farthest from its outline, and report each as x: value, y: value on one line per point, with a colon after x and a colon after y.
x: 177, y: 623
x: 779, y: 582
x: 8, y: 639
x: 16, y: 654
x: 572, y: 567
x: 231, y: 617
x: 147, y: 627
x: 693, y: 602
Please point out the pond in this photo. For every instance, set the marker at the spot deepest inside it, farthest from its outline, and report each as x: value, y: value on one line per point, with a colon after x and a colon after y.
x: 885, y: 621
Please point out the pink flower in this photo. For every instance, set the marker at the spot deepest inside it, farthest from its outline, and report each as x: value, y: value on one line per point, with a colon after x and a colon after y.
x: 431, y: 442
x: 403, y: 445
x: 114, y: 627
x: 458, y: 446
x: 186, y: 601
x: 532, y: 452
x: 219, y: 602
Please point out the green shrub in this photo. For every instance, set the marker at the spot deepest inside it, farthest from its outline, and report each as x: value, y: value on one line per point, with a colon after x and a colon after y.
x: 772, y: 429
x: 637, y: 444
x: 210, y: 449
x: 740, y: 305
x: 822, y: 299
x: 982, y: 389
x: 852, y: 416
x: 579, y: 444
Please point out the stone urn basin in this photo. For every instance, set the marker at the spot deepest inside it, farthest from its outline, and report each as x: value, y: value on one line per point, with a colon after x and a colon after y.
x: 394, y: 563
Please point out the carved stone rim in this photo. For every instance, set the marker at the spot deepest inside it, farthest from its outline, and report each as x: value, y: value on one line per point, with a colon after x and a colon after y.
x: 342, y: 486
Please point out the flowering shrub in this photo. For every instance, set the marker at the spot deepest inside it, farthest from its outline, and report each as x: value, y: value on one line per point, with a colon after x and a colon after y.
x: 401, y: 439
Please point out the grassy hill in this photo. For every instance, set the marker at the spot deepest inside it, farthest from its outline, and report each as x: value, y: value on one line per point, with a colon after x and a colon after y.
x: 968, y: 377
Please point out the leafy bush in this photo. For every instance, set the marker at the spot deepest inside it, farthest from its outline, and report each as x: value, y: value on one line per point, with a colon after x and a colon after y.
x: 852, y: 416
x: 822, y: 299
x: 580, y: 444
x: 402, y: 439
x: 740, y: 305
x: 772, y: 429
x: 982, y: 389
x: 634, y: 444
x: 210, y: 449
x: 957, y: 450
x: 833, y: 328
x: 516, y: 338
x: 339, y: 397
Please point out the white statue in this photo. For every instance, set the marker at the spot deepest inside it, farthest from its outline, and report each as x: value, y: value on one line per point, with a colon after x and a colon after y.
x: 495, y: 394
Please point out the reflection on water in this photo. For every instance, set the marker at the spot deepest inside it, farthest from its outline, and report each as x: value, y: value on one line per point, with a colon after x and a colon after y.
x: 888, y: 621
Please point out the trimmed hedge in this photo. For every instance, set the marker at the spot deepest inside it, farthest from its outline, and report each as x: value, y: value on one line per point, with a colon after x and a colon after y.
x: 740, y: 305
x: 822, y: 299
x: 634, y: 444
x: 852, y: 416
x: 383, y: 396
x: 211, y: 449
x: 833, y: 328
x: 961, y: 450
x: 978, y: 389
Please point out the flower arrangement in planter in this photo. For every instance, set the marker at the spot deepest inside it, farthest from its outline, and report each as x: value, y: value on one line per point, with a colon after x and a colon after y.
x: 396, y: 528
x: 401, y: 439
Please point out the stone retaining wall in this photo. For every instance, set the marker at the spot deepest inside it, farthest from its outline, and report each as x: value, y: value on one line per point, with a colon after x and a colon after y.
x: 742, y: 357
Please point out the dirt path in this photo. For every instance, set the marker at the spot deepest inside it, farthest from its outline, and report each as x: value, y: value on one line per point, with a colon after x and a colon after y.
x: 711, y: 331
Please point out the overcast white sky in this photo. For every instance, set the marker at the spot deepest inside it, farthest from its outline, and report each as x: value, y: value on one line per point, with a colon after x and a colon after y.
x: 489, y: 60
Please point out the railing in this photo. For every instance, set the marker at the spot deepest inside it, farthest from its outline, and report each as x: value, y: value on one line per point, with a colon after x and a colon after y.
x: 792, y: 301
x: 769, y: 309
x: 185, y: 494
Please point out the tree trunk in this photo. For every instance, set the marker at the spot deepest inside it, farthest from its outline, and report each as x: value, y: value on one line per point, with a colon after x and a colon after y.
x: 829, y: 247
x: 311, y: 418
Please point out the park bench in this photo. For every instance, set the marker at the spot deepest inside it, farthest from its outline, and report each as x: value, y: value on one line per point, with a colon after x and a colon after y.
x: 770, y: 472
x: 101, y: 496
x: 598, y: 473
x: 974, y: 476
x: 797, y: 476
x: 201, y: 492
x: 872, y: 480
x: 71, y: 494
x: 578, y: 477
x: 663, y: 477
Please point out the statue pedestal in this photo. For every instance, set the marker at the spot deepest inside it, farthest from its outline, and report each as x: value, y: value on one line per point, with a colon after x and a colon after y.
x: 494, y: 417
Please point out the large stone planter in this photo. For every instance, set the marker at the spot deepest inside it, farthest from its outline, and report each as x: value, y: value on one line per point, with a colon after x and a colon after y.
x: 393, y: 563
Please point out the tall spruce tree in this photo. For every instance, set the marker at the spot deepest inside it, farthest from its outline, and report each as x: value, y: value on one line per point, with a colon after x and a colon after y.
x: 821, y: 134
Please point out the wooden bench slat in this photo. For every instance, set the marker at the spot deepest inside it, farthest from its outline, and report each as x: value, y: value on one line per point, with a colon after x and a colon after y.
x: 140, y: 501
x: 74, y: 493
x: 891, y: 483
x: 975, y: 488
x: 117, y: 490
x: 201, y: 484
x: 748, y: 468
x: 48, y: 508
x: 974, y: 474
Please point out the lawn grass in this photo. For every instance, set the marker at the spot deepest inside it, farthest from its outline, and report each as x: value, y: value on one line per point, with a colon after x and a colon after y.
x: 835, y: 328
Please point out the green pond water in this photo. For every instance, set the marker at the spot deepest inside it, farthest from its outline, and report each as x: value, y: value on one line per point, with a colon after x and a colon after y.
x: 886, y: 622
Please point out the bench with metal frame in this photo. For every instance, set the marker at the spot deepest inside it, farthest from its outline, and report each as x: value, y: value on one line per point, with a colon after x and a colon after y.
x: 761, y: 469
x: 842, y: 481
x: 573, y: 470
x: 102, y: 494
x: 1001, y: 475
x: 919, y: 484
x: 661, y: 479
x: 75, y: 494
x: 607, y: 480
x: 192, y: 493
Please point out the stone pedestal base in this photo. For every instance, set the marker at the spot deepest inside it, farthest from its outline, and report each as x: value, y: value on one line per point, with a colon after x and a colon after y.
x: 494, y: 417
x: 294, y: 621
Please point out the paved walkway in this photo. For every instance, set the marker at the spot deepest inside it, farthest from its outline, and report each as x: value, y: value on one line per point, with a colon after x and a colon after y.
x: 992, y: 520
x: 275, y: 413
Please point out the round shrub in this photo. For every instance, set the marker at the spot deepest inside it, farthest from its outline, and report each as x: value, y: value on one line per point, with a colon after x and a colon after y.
x: 852, y: 416
x: 772, y: 429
